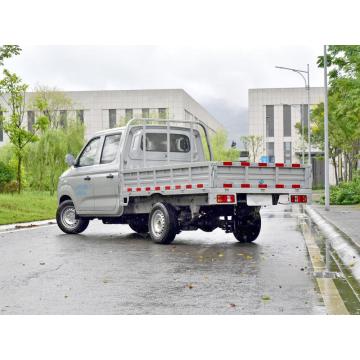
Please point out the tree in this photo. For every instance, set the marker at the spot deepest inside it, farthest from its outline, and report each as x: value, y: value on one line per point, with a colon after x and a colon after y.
x: 44, y: 160
x: 220, y: 149
x: 12, y: 91
x: 7, y: 51
x: 49, y: 102
x: 253, y: 144
x: 344, y: 109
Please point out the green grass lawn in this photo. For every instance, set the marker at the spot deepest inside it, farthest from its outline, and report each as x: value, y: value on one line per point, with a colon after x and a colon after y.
x: 28, y: 206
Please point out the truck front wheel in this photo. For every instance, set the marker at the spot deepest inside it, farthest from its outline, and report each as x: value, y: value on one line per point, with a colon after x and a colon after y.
x: 247, y: 226
x: 67, y: 221
x: 163, y: 223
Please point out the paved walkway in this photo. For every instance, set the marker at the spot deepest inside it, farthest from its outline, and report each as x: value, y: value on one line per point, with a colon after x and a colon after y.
x: 345, y: 217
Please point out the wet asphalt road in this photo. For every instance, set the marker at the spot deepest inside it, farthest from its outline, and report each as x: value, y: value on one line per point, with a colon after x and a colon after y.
x: 111, y: 270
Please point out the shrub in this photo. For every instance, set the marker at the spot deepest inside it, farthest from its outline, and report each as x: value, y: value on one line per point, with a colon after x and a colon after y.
x: 11, y: 187
x: 346, y: 193
x: 6, y: 175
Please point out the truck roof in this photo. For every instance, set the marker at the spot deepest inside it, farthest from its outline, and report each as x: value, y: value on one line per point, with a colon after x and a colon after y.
x: 122, y: 128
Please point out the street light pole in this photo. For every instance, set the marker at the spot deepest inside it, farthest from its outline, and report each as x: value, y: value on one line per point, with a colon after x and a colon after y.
x: 326, y: 135
x: 307, y: 87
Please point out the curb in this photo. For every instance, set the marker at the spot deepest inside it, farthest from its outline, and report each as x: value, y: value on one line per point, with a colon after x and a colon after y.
x: 26, y: 225
x: 345, y: 248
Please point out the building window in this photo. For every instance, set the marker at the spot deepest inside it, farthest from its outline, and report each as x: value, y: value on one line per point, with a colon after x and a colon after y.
x: 128, y: 114
x: 270, y: 152
x: 30, y: 120
x: 145, y: 113
x: 287, y: 152
x: 112, y: 118
x: 304, y: 114
x: 287, y: 120
x: 269, y: 120
x: 1, y: 127
x: 162, y: 113
x: 80, y: 116
x: 63, y: 118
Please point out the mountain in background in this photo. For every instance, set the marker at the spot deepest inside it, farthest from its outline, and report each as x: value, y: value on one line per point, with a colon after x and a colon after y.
x: 234, y: 119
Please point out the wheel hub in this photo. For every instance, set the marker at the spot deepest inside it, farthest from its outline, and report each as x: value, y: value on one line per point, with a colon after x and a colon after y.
x: 68, y: 217
x: 158, y: 223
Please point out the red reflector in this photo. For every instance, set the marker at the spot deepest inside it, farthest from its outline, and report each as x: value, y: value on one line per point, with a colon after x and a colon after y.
x: 167, y: 187
x: 262, y: 164
x: 298, y: 198
x: 279, y: 186
x: 279, y: 164
x: 189, y: 186
x: 157, y: 188
x: 227, y: 186
x: 148, y: 188
x: 138, y: 189
x: 223, y: 199
x: 295, y: 186
x: 177, y: 187
x: 199, y: 186
x: 262, y: 186
x: 245, y: 185
x: 129, y: 189
x: 227, y: 163
x: 245, y: 163
x: 295, y: 165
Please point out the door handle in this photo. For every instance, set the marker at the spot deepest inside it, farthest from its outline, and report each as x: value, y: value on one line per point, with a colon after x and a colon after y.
x: 87, y: 178
x: 110, y: 176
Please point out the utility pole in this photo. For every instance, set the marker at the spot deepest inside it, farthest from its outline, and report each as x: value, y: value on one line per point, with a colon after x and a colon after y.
x: 326, y: 135
x: 308, y: 115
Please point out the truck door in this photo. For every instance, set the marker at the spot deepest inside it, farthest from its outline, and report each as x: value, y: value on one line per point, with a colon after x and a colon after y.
x: 105, y: 180
x: 80, y: 179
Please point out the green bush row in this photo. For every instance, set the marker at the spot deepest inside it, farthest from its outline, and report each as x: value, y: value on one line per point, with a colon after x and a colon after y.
x: 346, y: 193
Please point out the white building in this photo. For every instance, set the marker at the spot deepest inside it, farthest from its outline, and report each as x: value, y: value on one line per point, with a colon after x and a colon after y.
x: 273, y: 114
x: 105, y: 109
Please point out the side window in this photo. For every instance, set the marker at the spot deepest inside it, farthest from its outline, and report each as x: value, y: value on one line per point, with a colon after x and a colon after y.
x: 88, y: 156
x: 111, y: 145
x: 179, y: 143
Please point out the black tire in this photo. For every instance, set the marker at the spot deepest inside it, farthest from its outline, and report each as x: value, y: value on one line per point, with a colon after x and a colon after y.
x: 247, y: 226
x: 163, y: 223
x: 140, y: 224
x: 65, y: 218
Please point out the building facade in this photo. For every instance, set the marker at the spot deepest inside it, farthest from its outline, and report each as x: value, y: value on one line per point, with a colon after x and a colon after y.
x: 100, y: 110
x: 273, y: 114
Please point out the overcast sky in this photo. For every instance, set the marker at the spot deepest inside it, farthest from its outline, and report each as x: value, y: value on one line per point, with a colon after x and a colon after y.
x: 217, y: 78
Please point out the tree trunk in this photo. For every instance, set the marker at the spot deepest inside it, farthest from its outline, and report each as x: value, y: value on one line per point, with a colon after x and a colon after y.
x: 335, y: 168
x: 18, y: 177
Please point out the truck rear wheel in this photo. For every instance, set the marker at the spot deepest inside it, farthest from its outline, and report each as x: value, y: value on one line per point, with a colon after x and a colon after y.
x: 163, y: 223
x: 67, y: 221
x: 140, y: 224
x: 247, y: 226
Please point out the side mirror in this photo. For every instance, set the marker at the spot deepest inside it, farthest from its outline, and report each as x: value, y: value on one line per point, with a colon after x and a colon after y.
x: 70, y: 160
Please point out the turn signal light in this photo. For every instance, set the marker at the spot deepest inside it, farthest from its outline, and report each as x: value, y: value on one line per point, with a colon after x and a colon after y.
x: 298, y: 198
x: 225, y: 199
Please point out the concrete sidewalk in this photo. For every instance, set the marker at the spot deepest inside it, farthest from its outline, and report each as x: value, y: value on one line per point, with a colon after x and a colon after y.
x: 345, y: 217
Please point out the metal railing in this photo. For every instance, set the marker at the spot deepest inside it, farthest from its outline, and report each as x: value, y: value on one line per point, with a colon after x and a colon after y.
x: 166, y: 124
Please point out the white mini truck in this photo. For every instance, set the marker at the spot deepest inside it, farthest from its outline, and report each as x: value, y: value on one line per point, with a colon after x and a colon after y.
x: 154, y: 176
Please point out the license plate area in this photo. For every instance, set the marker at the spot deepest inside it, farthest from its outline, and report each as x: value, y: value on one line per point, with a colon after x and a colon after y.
x: 258, y: 199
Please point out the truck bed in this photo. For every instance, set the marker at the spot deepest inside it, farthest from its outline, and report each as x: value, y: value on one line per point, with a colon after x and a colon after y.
x: 199, y: 177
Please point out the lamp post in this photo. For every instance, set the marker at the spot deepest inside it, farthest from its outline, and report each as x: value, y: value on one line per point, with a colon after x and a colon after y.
x: 307, y: 87
x: 326, y: 134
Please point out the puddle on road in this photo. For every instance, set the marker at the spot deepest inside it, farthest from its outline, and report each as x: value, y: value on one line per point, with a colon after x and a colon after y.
x: 346, y: 286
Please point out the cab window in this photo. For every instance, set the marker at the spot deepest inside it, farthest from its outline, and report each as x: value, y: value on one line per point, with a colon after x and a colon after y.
x: 88, y: 156
x: 157, y: 142
x: 111, y: 145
